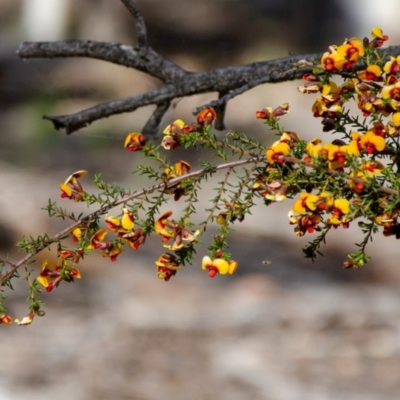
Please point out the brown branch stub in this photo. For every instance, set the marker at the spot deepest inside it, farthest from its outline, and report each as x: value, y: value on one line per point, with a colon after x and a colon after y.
x: 220, y: 111
x: 152, y: 126
x: 141, y: 30
x: 73, y: 122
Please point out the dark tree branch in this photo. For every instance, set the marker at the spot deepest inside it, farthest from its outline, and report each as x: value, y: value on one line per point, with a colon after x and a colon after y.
x: 117, y: 53
x: 220, y: 110
x: 228, y: 82
x: 152, y: 126
x: 74, y: 122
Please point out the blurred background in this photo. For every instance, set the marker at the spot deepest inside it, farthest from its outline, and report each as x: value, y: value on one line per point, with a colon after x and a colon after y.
x: 290, y: 329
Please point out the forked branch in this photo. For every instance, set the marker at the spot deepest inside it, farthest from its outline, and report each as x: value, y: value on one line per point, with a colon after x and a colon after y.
x: 229, y: 82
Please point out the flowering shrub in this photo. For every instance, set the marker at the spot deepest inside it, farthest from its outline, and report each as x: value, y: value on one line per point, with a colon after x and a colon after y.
x: 351, y: 178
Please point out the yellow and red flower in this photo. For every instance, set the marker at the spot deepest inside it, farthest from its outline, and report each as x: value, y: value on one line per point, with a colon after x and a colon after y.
x: 112, y: 251
x: 333, y: 60
x: 169, y: 229
x: 108, y: 249
x: 274, y: 191
x: 134, y: 141
x: 393, y: 127
x: 391, y: 92
x: 372, y: 143
x: 316, y: 150
x: 206, y: 116
x: 167, y: 264
x: 5, y: 319
x: 392, y: 66
x: 366, y: 170
x: 134, y: 239
x: 122, y: 225
x: 378, y: 37
x: 339, y: 210
x: 52, y: 274
x: 327, y: 105
x: 173, y: 133
x: 372, y: 167
x: 356, y: 185
x: 176, y: 127
x: 72, y: 256
x: 72, y: 188
x: 304, y: 223
x: 277, y: 152
x: 289, y: 137
x: 127, y: 220
x: 218, y: 266
x: 178, y: 169
x: 113, y: 223
x: 351, y: 51
x: 371, y: 73
x: 309, y: 202
x: 389, y: 222
x: 27, y: 320
x: 165, y: 227
x: 181, y: 235
x: 369, y: 103
x: 268, y: 113
x: 97, y: 240
x: 76, y: 234
x: 338, y: 154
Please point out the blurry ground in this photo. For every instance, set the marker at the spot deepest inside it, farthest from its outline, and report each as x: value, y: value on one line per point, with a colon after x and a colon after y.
x: 287, y: 330
x: 122, y: 334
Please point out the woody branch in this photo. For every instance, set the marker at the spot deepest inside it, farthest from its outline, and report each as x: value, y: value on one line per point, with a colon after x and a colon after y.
x: 228, y: 82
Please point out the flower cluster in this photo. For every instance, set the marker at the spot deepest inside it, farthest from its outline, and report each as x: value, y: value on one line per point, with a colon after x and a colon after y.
x: 345, y: 56
x: 353, y: 176
x: 178, y: 169
x: 168, y: 229
x: 218, y: 266
x: 174, y: 132
x: 308, y: 212
x: 52, y: 274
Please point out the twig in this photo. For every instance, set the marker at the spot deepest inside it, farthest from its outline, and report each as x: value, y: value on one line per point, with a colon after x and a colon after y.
x: 152, y: 126
x: 141, y: 30
x: 74, y: 122
x: 105, y: 209
x: 163, y: 185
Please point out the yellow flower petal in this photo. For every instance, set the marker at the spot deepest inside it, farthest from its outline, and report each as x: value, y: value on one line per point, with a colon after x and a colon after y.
x: 65, y: 189
x: 396, y: 119
x: 222, y: 266
x: 44, y: 280
x: 376, y: 32
x: 343, y: 205
x: 48, y: 265
x: 76, y: 175
x: 206, y: 262
x: 127, y: 220
x: 178, y: 124
x: 311, y: 201
x: 232, y: 267
x: 77, y: 233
